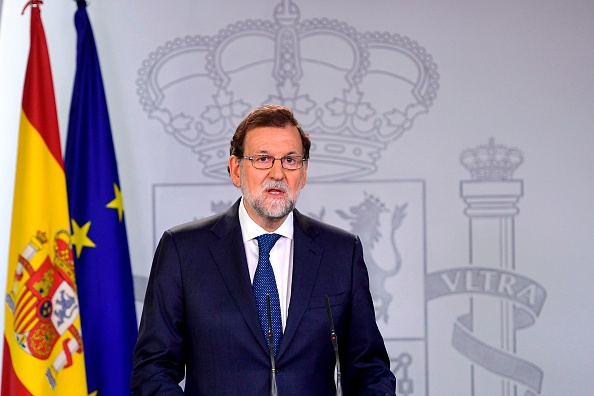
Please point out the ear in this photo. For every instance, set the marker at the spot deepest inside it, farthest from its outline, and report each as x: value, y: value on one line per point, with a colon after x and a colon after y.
x: 234, y: 165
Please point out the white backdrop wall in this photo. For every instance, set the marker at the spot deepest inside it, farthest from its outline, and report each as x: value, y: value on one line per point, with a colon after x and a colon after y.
x: 482, y: 280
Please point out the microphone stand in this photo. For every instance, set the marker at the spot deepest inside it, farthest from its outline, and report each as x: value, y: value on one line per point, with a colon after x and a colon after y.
x: 273, y: 390
x: 335, y: 345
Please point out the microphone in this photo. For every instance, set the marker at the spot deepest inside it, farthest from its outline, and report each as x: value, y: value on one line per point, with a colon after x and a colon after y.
x: 273, y: 390
x: 335, y: 345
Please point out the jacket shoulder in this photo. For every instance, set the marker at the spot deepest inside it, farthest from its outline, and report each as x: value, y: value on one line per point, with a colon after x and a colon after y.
x: 218, y: 224
x: 318, y: 229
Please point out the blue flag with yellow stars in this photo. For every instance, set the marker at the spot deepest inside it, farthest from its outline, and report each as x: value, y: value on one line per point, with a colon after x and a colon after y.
x: 100, y: 245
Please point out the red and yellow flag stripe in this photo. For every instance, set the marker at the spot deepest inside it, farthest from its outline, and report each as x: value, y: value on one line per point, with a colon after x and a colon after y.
x: 43, y: 352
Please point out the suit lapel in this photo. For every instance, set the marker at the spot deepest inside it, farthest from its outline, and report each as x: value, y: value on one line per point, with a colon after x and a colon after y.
x: 306, y: 261
x: 229, y: 254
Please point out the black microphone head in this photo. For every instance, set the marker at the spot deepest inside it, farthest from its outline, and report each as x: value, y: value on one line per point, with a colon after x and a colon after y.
x: 268, y: 312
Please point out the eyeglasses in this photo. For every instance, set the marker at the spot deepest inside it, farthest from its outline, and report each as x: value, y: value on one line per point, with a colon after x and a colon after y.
x: 290, y: 162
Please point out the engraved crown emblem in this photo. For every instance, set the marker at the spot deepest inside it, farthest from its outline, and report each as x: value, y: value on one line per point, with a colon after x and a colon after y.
x: 491, y: 162
x: 353, y: 92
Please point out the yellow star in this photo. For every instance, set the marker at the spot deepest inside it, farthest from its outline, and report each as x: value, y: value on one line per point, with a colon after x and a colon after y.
x: 118, y: 202
x: 80, y: 238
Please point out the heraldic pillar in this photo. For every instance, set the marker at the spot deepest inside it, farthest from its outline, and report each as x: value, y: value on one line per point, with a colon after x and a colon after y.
x: 491, y: 199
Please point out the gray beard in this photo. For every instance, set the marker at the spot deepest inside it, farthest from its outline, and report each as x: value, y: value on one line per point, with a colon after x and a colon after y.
x: 273, y: 209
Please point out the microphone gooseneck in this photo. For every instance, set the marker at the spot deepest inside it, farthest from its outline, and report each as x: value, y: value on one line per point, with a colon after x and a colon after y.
x: 334, y: 339
x: 273, y: 389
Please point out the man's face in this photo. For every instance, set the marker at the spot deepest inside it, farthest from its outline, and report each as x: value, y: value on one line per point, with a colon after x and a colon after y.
x: 269, y: 194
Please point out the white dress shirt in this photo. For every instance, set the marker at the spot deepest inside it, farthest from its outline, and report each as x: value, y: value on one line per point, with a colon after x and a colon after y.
x: 281, y: 255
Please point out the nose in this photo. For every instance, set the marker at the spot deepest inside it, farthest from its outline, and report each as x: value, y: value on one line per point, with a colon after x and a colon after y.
x: 277, y: 172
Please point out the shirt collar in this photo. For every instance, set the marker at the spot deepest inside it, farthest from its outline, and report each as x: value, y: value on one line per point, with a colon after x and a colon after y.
x: 251, y: 230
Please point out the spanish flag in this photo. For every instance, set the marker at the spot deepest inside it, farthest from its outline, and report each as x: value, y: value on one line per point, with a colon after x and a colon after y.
x: 43, y: 350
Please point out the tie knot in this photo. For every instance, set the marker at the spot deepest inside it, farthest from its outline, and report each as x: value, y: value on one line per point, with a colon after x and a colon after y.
x: 266, y: 242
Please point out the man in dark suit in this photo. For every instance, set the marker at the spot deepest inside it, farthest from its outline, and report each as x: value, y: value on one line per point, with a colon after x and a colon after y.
x: 217, y: 287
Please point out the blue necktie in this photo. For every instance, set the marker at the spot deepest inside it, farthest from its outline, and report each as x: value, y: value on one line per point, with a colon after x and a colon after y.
x: 265, y: 283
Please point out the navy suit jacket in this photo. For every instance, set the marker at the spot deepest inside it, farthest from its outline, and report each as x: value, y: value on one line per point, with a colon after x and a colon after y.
x: 200, y: 318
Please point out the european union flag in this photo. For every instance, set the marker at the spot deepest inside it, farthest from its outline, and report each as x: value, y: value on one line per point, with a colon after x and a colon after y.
x: 102, y: 259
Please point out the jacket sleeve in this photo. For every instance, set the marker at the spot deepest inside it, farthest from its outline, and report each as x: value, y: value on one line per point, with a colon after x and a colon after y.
x: 365, y: 363
x: 159, y: 359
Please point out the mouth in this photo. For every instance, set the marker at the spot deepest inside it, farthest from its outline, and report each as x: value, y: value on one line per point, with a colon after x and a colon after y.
x: 275, y: 191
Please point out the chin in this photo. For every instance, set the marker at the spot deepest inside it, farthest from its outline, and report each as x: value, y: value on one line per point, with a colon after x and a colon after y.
x: 279, y: 209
